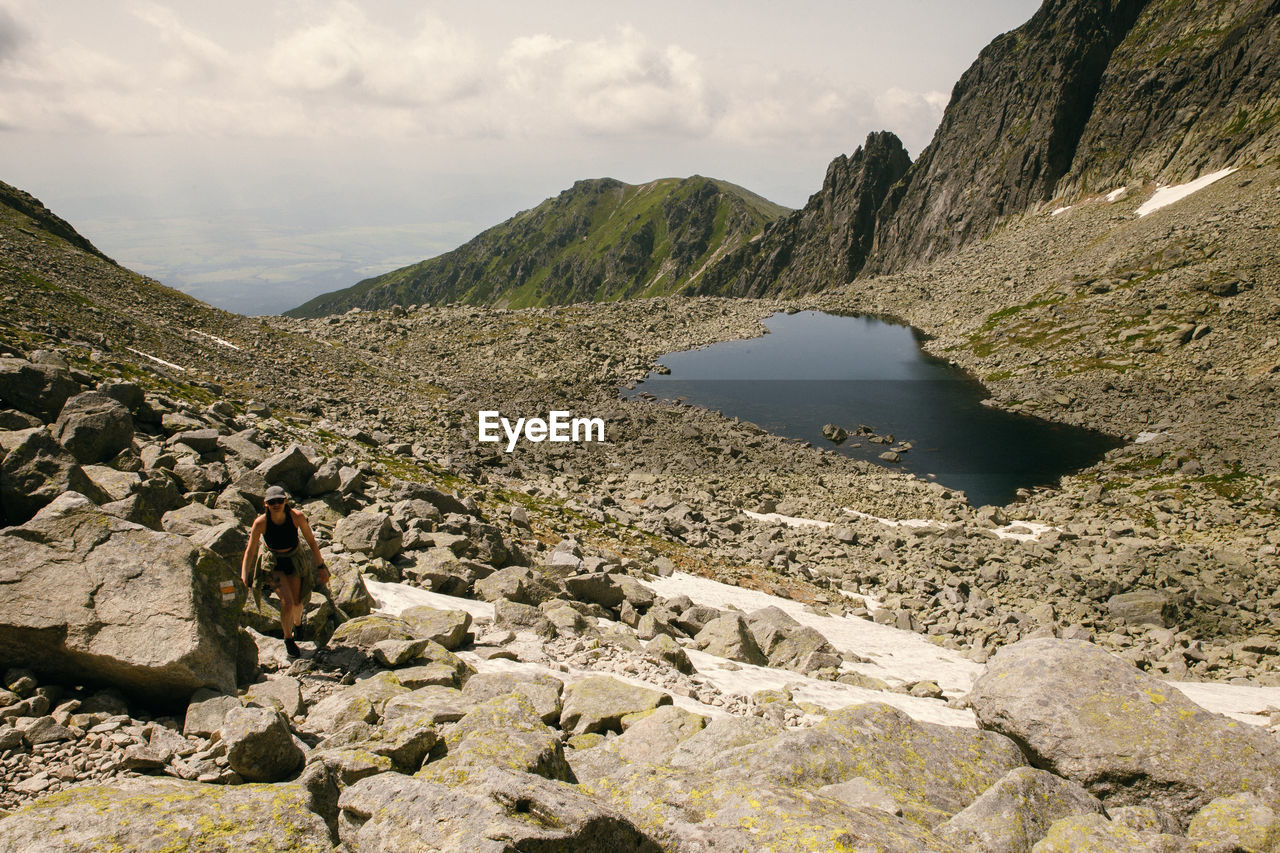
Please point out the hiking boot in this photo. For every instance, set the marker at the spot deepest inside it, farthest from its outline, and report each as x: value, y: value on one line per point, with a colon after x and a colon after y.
x: 292, y: 648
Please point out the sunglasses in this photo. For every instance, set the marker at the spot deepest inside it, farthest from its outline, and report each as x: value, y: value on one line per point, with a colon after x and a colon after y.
x: 275, y: 502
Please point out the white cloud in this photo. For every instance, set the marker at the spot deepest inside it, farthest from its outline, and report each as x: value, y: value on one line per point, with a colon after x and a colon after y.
x: 608, y: 86
x: 191, y: 58
x: 351, y: 57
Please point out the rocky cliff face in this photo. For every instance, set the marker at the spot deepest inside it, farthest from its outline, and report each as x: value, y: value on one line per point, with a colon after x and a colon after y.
x: 1085, y: 97
x: 1194, y: 87
x: 828, y: 241
x: 601, y: 239
x: 1009, y: 133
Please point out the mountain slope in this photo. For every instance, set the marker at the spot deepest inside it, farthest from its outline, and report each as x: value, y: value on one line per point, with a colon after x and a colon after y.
x: 1086, y: 96
x: 599, y: 240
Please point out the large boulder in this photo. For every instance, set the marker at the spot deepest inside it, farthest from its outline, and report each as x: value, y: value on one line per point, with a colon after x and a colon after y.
x: 446, y: 627
x: 516, y: 583
x: 595, y: 588
x: 494, y: 812
x: 540, y: 688
x: 1242, y: 820
x: 291, y: 468
x: 168, y: 814
x: 789, y: 645
x: 260, y: 745
x: 94, y: 427
x: 369, y: 533
x: 1127, y: 737
x: 1142, y: 607
x: 601, y: 703
x: 698, y: 809
x: 505, y: 732
x: 729, y: 637
x: 36, y: 471
x: 931, y: 771
x: 85, y: 596
x: 37, y: 389
x: 1016, y: 812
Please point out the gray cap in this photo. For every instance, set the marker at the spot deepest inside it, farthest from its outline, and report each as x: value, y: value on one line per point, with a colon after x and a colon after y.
x: 275, y: 493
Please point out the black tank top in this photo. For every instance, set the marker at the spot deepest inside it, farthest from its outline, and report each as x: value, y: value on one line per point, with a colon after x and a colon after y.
x: 281, y: 537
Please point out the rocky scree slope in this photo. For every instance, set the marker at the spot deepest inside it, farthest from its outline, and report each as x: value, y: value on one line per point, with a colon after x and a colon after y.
x: 437, y: 730
x: 422, y: 714
x: 599, y: 240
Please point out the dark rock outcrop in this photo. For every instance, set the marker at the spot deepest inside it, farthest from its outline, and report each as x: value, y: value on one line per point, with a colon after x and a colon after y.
x: 1009, y: 132
x: 827, y: 242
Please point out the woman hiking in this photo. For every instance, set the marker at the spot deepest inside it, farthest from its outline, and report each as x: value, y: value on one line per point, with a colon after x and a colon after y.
x: 287, y: 567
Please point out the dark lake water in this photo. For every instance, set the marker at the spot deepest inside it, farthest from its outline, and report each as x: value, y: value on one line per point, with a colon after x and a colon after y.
x: 814, y: 368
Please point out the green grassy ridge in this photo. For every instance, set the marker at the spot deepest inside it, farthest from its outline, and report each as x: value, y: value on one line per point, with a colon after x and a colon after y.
x: 599, y: 240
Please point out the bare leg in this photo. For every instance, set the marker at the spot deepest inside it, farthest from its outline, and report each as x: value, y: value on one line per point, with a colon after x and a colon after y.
x: 288, y: 587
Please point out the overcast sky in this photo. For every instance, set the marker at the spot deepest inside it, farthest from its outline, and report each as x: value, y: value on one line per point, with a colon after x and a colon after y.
x: 256, y: 154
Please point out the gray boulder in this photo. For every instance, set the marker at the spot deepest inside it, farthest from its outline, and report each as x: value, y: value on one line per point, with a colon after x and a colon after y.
x: 496, y: 811
x: 931, y: 771
x: 506, y: 732
x: 516, y: 583
x: 326, y: 478
x: 1095, y: 832
x: 1141, y: 607
x: 600, y: 704
x: 1127, y: 737
x: 94, y: 427
x: 697, y: 809
x: 370, y: 533
x: 1016, y: 812
x: 729, y: 637
x: 206, y: 712
x: 291, y: 468
x: 595, y: 588
x: 1242, y: 820
x: 36, y: 471
x: 37, y: 389
x: 168, y: 814
x: 541, y: 689
x: 86, y: 596
x: 789, y: 645
x: 200, y: 440
x: 446, y: 627
x: 260, y: 745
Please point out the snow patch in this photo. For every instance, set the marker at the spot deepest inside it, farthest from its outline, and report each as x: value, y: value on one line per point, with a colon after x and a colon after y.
x: 788, y: 520
x: 215, y: 339
x: 1024, y: 531
x: 1058, y: 211
x: 1144, y: 436
x: 894, y: 522
x: 169, y: 364
x: 896, y: 656
x: 395, y: 598
x: 1166, y: 196
x: 1117, y: 194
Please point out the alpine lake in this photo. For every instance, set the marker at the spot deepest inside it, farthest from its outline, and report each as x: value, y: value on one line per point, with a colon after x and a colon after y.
x: 871, y: 379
